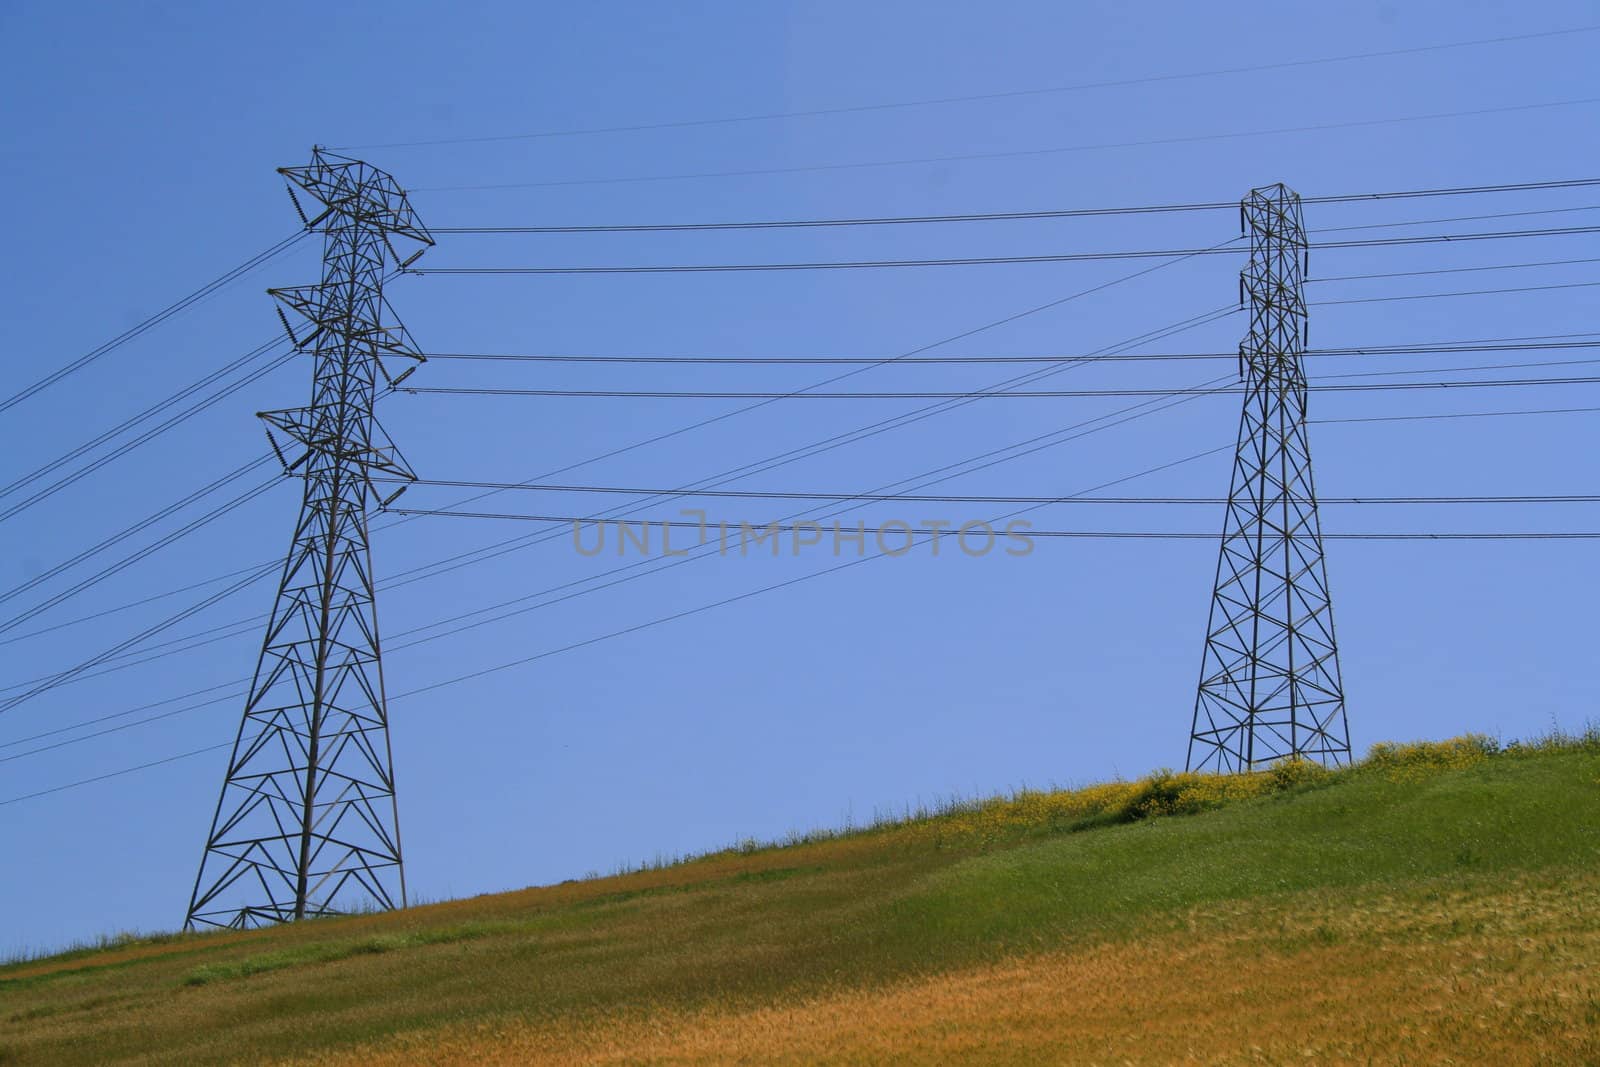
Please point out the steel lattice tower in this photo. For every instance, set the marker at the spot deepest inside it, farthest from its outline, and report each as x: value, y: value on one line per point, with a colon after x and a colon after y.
x: 307, y: 822
x: 1269, y: 682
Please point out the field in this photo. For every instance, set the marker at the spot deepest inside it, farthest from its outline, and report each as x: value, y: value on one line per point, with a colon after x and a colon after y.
x: 1438, y: 903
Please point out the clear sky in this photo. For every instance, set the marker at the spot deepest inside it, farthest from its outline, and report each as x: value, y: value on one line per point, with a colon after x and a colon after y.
x: 139, y: 151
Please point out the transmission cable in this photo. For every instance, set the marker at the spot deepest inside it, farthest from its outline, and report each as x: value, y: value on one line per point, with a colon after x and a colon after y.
x: 858, y: 496
x: 1002, y: 216
x: 970, y: 261
x: 1008, y: 94
x: 1452, y: 415
x: 149, y: 435
x: 154, y: 320
x: 1450, y: 270
x: 1038, y: 394
x: 94, y: 661
x: 1082, y: 429
x: 145, y: 523
x: 1452, y: 218
x: 127, y: 561
x: 793, y: 581
x: 838, y: 440
x: 1493, y: 344
x: 1158, y: 535
x: 133, y: 420
x: 754, y: 494
x: 76, y: 671
x: 1391, y: 120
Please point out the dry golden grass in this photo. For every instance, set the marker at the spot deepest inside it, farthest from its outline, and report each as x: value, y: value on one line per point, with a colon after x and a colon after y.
x: 1438, y: 902
x: 1508, y: 977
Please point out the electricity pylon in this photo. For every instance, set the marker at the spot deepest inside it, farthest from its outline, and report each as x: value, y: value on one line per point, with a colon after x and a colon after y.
x: 307, y: 823
x: 1269, y: 682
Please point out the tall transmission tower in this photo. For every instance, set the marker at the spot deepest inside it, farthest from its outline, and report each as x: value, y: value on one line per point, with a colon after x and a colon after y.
x: 1269, y: 682
x: 307, y: 823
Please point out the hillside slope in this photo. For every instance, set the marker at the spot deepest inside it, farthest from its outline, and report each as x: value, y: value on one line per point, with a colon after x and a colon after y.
x: 1440, y: 901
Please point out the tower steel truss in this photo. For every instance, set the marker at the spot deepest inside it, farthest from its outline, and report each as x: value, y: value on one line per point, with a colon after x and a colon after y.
x: 307, y: 823
x: 1269, y: 682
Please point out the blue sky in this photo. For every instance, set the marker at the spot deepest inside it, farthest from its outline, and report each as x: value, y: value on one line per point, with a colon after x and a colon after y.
x: 140, y: 149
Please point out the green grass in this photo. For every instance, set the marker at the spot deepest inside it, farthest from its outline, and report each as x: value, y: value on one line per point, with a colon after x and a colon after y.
x: 755, y: 925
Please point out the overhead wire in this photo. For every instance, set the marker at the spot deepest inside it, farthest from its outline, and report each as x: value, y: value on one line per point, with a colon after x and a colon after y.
x: 140, y: 554
x: 208, y: 640
x: 1047, y: 213
x: 154, y: 320
x: 482, y: 672
x: 227, y: 633
x: 1502, y: 344
x: 1037, y: 394
x: 792, y: 455
x: 971, y: 261
x: 1009, y: 94
x: 1157, y: 535
x: 144, y: 438
x: 134, y: 420
x: 45, y: 685
x: 1083, y: 428
x: 1151, y: 534
x: 1391, y: 120
x: 77, y: 671
x: 1452, y: 415
x: 235, y: 695
x: 755, y: 494
x: 135, y: 528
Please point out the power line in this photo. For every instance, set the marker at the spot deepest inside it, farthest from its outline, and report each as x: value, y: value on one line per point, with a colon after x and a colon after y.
x: 154, y: 320
x: 94, y: 661
x: 1022, y: 153
x: 1004, y: 216
x: 1134, y: 414
x: 1439, y: 221
x: 1548, y: 335
x: 900, y: 498
x: 971, y: 98
x: 838, y: 440
x: 753, y: 494
x: 1453, y: 415
x: 700, y: 609
x: 234, y: 695
x: 114, y: 774
x: 132, y: 711
x: 1084, y: 428
x: 1151, y: 535
x: 1438, y: 348
x: 972, y: 261
x: 1091, y: 534
x: 1451, y: 270
x: 885, y: 220
x: 260, y: 570
x: 794, y: 453
x: 144, y: 438
x: 134, y: 420
x: 1009, y: 395
x: 1468, y: 292
x: 142, y: 524
x: 129, y: 560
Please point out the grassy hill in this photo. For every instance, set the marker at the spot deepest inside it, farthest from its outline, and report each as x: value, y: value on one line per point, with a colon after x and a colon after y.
x: 1439, y: 902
